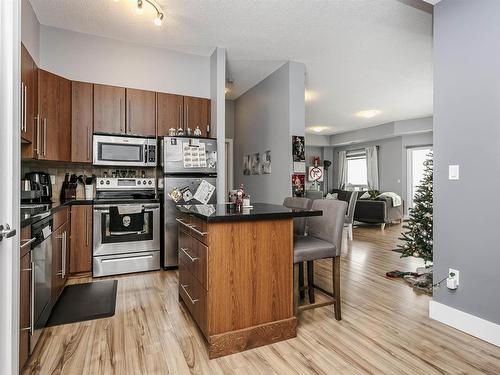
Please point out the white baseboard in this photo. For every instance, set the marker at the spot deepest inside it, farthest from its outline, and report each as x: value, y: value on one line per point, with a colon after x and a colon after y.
x: 478, y: 327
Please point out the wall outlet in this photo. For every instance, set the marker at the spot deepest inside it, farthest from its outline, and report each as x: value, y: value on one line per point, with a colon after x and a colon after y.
x: 453, y: 279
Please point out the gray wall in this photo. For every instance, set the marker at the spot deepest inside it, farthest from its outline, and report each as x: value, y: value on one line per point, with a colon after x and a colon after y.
x: 30, y: 30
x: 265, y: 118
x: 230, y: 119
x: 467, y: 132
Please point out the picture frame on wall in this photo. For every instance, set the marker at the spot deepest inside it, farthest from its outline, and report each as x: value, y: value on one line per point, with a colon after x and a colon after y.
x: 266, y: 162
x: 246, y: 165
x: 298, y: 148
x: 255, y: 163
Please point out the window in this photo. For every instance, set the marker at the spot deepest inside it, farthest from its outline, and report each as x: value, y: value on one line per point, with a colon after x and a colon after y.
x: 416, y: 158
x: 356, y: 168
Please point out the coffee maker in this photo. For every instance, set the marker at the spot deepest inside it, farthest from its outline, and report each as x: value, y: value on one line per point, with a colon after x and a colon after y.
x: 42, y: 181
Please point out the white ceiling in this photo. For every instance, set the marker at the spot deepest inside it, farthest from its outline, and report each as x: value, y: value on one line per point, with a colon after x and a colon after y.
x: 359, y: 54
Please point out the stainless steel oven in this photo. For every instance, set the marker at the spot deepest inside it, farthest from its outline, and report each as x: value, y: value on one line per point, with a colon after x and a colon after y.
x: 124, y: 151
x: 126, y: 251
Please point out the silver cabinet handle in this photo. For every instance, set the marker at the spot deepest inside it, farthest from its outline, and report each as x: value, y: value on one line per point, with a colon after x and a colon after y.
x: 125, y: 259
x: 180, y: 116
x: 44, y: 137
x: 25, y: 117
x: 63, y: 254
x: 183, y: 223
x: 187, y: 115
x: 192, y: 259
x: 27, y: 242
x: 89, y: 136
x: 30, y: 270
x: 86, y: 229
x: 193, y: 301
x: 121, y: 123
x: 32, y: 299
x: 128, y: 123
x: 193, y: 228
x: 38, y: 135
x: 22, y: 106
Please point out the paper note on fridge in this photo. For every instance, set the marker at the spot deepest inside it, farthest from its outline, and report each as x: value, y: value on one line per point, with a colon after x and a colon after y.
x: 174, y: 152
x: 194, y: 155
x: 204, y: 192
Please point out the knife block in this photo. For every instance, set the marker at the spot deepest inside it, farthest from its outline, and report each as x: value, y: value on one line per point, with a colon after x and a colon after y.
x: 68, y: 191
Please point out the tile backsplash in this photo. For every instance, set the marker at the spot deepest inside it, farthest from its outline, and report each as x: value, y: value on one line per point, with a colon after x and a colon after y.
x: 58, y: 170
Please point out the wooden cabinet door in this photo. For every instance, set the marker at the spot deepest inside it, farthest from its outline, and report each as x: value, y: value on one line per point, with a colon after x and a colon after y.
x: 82, y: 109
x: 81, y: 239
x: 141, y: 112
x: 28, y: 95
x: 60, y: 254
x: 54, y: 141
x: 48, y: 88
x: 109, y: 109
x: 25, y: 309
x: 170, y: 112
x: 61, y: 133
x: 196, y: 114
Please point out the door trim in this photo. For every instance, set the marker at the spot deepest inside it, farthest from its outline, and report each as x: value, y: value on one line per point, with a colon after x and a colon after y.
x: 10, y: 95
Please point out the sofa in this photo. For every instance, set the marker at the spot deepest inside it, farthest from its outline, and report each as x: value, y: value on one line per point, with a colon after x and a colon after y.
x: 376, y: 211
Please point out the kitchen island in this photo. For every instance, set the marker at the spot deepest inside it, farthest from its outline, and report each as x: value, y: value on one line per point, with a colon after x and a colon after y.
x: 236, y: 273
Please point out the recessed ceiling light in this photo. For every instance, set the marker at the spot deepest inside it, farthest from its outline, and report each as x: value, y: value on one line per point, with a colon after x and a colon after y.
x: 317, y: 129
x: 369, y: 113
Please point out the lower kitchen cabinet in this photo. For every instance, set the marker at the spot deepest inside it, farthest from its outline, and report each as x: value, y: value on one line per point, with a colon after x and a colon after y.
x: 81, y: 239
x: 60, y: 252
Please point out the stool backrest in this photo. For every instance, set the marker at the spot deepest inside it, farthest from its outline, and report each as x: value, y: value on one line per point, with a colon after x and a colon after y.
x: 329, y: 226
x: 299, y: 224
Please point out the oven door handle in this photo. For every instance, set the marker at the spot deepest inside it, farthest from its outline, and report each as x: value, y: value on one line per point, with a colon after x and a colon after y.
x: 111, y: 260
x: 118, y: 234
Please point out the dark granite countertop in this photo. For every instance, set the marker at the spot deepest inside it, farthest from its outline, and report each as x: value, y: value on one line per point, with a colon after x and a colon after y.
x: 260, y: 211
x: 30, y: 216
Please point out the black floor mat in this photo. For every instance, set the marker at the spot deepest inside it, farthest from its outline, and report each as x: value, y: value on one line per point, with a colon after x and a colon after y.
x: 80, y: 302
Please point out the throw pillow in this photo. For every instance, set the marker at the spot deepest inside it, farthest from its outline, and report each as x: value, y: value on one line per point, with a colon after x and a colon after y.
x: 332, y: 196
x: 366, y: 195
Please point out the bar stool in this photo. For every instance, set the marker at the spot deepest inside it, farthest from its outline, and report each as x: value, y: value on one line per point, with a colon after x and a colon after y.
x: 323, y: 241
x: 299, y: 229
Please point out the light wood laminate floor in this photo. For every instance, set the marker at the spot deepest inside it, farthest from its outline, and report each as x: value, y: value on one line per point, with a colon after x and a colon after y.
x: 385, y: 329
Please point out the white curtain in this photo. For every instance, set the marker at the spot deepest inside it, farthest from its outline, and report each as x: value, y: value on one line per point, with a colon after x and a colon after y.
x: 372, y: 167
x: 342, y: 169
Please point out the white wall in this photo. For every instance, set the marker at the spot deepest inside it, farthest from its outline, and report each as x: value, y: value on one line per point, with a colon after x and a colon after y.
x: 84, y: 57
x: 30, y: 30
x: 266, y: 117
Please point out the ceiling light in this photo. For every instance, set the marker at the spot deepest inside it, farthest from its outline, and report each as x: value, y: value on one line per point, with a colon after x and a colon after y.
x: 158, y: 19
x: 369, y: 113
x: 317, y: 129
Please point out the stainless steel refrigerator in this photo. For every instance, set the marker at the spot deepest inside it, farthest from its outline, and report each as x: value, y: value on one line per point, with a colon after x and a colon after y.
x: 189, y: 177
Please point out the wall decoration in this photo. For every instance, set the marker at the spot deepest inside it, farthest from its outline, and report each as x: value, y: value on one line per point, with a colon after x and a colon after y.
x: 266, y: 162
x: 246, y: 165
x: 315, y: 174
x: 298, y: 148
x: 299, y: 167
x: 298, y: 188
x: 255, y: 163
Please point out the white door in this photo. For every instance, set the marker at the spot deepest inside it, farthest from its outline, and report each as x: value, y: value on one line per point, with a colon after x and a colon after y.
x: 415, y: 158
x: 10, y: 17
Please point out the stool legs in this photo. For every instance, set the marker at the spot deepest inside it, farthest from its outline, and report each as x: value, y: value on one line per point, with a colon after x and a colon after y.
x: 310, y: 281
x: 336, y: 286
x: 296, y: 288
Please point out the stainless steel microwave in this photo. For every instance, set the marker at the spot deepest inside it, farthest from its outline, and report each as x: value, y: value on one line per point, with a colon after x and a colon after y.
x: 124, y: 151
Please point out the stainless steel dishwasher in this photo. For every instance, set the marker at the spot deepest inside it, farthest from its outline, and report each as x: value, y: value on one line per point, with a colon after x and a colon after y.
x: 41, y: 266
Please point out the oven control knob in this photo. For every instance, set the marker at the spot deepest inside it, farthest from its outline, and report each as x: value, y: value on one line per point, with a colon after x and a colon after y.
x: 102, y: 182
x: 107, y: 182
x: 138, y: 182
x: 144, y: 182
x: 150, y: 182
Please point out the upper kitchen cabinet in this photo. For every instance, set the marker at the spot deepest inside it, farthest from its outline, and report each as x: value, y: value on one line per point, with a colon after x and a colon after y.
x: 82, y: 108
x: 53, y: 133
x: 197, y: 115
x: 109, y: 109
x: 141, y: 112
x: 29, y: 101
x: 170, y: 112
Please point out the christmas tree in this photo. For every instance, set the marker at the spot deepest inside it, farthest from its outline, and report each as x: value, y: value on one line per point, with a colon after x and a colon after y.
x: 418, y: 228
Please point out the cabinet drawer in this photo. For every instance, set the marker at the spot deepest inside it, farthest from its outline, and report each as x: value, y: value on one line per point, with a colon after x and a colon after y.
x: 194, y: 297
x: 199, y: 229
x: 194, y: 256
x: 60, y: 217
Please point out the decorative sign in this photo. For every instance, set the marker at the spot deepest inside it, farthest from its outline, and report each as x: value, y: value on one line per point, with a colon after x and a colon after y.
x: 315, y: 174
